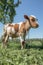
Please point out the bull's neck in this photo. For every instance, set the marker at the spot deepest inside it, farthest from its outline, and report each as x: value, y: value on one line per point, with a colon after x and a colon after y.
x: 28, y: 26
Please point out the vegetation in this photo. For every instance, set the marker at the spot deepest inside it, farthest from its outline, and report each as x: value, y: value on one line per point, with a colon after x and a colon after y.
x: 7, y: 10
x: 31, y: 55
x: 13, y: 55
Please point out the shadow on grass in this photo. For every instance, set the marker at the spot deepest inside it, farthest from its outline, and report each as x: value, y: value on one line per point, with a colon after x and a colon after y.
x: 30, y: 46
x: 16, y: 45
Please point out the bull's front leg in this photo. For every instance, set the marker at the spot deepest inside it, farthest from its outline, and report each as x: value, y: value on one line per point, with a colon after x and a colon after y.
x: 22, y: 40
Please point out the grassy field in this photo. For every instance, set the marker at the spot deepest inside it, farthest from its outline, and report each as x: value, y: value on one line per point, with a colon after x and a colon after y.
x: 31, y: 55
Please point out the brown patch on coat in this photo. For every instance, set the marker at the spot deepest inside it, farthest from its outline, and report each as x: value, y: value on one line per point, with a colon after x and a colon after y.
x: 15, y: 26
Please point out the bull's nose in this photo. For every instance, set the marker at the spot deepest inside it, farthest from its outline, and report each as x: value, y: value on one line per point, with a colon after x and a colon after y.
x: 37, y: 26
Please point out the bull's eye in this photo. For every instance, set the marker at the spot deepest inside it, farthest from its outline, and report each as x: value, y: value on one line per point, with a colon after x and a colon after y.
x: 33, y: 20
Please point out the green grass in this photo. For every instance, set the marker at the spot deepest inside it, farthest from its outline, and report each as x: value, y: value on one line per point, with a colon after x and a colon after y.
x: 13, y: 55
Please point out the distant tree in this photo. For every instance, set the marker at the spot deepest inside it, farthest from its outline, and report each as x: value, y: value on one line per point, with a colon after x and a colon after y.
x: 7, y: 10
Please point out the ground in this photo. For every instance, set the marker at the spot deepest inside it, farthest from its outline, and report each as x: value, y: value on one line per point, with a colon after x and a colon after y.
x: 31, y: 55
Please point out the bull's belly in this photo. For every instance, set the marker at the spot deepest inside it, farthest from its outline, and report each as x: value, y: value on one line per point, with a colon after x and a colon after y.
x: 14, y: 35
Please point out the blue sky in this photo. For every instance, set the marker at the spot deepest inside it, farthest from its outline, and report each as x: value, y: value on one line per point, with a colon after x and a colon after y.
x: 30, y: 7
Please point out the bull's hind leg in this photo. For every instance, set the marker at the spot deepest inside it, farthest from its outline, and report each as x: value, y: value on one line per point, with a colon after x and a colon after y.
x: 3, y: 37
x: 5, y: 40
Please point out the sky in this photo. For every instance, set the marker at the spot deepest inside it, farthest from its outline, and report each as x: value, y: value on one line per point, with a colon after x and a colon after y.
x: 29, y: 7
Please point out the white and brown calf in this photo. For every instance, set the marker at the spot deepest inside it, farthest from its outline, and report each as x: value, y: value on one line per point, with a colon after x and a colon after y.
x: 20, y: 29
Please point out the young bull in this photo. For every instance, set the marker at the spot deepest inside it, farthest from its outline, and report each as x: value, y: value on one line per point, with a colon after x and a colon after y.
x: 19, y: 30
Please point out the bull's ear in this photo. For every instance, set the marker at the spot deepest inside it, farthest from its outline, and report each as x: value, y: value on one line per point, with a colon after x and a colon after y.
x: 26, y: 17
